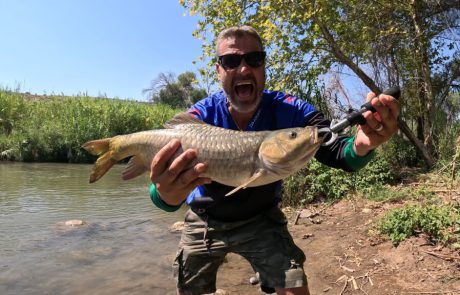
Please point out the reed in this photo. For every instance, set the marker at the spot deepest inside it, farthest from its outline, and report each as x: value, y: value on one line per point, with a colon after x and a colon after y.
x: 52, y: 128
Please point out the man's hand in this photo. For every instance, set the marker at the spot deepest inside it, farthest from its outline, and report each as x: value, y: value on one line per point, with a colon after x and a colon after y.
x: 172, y: 179
x: 380, y: 126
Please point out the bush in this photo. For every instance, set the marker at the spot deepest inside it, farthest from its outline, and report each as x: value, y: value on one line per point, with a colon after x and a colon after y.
x: 399, y: 152
x: 440, y: 222
x: 319, y: 181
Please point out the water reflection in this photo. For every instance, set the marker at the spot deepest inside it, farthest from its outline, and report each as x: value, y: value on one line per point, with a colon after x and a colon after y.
x: 123, y: 247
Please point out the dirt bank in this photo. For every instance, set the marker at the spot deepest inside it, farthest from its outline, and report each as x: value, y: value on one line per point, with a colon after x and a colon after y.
x: 343, y: 257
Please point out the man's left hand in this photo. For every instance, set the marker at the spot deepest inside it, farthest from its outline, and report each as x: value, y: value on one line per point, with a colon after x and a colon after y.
x: 380, y: 126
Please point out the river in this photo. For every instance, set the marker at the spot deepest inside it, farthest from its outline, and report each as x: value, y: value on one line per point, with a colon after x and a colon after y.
x: 124, y: 247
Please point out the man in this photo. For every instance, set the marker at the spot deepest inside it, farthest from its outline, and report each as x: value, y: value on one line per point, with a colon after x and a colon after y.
x: 249, y: 222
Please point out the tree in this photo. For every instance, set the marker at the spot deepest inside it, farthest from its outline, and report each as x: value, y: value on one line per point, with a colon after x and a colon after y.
x: 177, y: 92
x: 385, y: 43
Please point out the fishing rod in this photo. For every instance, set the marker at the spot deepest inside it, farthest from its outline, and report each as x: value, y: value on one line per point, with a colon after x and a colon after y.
x: 355, y: 117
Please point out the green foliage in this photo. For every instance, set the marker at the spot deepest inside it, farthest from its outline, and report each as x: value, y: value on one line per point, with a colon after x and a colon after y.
x: 286, y: 32
x: 54, y: 129
x: 440, y: 222
x: 12, y: 108
x: 322, y: 182
x: 449, y: 141
x: 171, y: 95
x: 406, y: 43
x: 399, y: 152
x: 197, y: 95
x: 180, y: 92
x: 448, y: 166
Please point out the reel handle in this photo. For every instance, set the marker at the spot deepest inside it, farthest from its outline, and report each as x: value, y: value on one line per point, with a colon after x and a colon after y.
x: 394, y: 91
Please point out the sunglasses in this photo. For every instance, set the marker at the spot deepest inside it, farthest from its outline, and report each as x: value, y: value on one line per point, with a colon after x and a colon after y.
x: 231, y: 61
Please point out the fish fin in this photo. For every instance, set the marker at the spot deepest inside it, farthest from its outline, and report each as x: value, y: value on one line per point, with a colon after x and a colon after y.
x: 254, y: 177
x: 182, y: 118
x: 102, y: 165
x: 134, y: 168
x: 97, y: 147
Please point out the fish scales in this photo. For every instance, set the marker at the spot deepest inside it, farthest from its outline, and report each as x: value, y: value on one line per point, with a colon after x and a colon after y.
x: 225, y: 151
x: 234, y: 158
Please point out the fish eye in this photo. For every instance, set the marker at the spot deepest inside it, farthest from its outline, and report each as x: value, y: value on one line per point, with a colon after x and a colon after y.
x: 292, y: 134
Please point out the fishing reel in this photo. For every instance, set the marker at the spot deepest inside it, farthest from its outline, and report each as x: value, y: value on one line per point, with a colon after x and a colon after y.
x: 354, y: 117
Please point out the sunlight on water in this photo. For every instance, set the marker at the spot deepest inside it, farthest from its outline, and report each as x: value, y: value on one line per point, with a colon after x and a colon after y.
x: 123, y: 247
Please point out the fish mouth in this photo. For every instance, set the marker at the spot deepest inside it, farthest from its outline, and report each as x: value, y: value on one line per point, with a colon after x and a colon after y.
x: 310, y: 153
x: 244, y: 88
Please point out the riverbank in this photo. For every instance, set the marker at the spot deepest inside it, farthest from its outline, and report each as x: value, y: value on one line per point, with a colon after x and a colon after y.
x: 345, y: 256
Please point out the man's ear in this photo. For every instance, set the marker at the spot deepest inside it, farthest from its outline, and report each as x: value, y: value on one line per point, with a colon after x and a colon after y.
x: 218, y: 71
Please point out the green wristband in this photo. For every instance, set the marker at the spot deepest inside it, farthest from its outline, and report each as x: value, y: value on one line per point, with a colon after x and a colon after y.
x: 155, y: 197
x: 354, y: 161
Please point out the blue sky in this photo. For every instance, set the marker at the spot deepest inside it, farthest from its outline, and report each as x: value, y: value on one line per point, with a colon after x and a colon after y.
x: 113, y: 48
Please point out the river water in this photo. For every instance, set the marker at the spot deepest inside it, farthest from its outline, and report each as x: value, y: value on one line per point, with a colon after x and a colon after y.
x: 124, y: 247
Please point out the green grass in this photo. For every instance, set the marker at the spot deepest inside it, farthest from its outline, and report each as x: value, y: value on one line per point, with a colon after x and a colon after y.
x: 53, y: 129
x: 386, y: 193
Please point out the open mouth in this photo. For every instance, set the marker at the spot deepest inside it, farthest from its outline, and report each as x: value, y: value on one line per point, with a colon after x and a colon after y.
x: 244, y: 88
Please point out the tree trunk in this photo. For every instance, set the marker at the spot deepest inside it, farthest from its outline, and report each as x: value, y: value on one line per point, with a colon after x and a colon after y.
x: 429, y: 161
x: 371, y: 84
x: 426, y: 95
x: 420, y: 128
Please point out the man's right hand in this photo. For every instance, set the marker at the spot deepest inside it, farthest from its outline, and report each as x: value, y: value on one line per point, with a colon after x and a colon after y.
x: 172, y: 177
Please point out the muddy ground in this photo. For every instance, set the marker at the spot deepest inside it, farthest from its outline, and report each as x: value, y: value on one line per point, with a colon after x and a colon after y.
x: 344, y: 257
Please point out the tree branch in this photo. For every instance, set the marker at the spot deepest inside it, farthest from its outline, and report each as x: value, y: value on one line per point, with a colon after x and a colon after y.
x: 338, y: 53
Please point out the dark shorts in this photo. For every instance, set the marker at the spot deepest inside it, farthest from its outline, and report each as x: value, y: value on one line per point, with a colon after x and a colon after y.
x: 263, y: 240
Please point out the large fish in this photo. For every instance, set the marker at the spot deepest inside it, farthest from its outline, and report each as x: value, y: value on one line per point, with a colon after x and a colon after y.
x: 235, y: 158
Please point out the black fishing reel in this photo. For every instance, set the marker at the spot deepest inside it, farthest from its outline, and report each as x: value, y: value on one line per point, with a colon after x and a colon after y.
x: 354, y: 117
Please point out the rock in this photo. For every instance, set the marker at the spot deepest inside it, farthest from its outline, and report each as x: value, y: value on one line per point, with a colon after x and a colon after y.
x: 221, y: 292
x: 367, y: 210
x: 74, y: 222
x: 177, y: 227
x: 307, y: 213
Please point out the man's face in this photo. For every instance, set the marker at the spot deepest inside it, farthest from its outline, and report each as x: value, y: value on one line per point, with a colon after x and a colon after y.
x: 244, y: 84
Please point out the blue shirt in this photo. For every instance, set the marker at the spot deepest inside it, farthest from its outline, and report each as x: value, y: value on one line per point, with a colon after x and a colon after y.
x: 277, y: 111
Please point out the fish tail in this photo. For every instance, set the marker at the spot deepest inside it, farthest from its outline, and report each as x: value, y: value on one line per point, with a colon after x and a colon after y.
x: 97, y: 147
x: 104, y: 162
